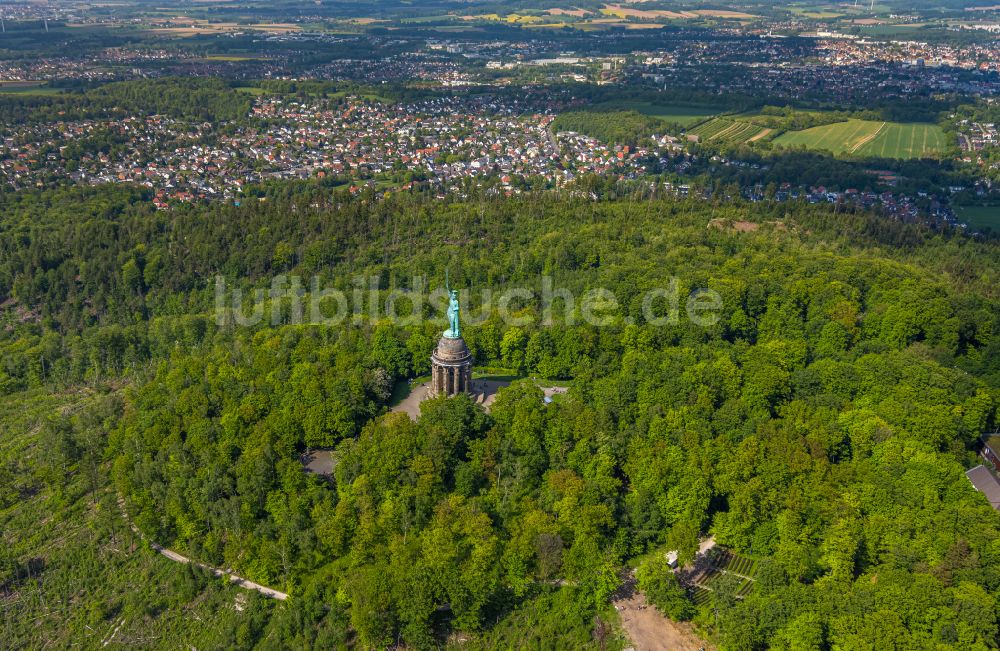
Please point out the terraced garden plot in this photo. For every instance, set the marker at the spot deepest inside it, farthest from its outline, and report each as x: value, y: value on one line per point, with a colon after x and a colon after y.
x: 730, y: 562
x: 870, y: 138
x: 711, y: 582
x: 722, y: 563
x: 708, y: 129
x: 700, y: 595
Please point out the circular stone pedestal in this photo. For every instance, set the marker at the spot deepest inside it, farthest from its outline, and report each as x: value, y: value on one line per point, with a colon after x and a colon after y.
x: 451, y: 368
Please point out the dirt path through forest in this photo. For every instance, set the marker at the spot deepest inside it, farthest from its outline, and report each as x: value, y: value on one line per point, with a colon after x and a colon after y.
x: 179, y: 558
x: 648, y: 629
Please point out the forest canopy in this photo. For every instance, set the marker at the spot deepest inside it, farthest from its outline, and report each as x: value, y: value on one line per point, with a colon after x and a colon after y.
x: 820, y: 427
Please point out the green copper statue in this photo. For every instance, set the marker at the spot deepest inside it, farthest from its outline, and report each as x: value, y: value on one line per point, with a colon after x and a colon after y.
x: 454, y: 331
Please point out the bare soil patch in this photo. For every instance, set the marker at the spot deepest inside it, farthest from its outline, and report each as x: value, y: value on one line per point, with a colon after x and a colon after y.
x: 649, y: 630
x: 319, y: 462
x: 190, y: 27
x: 738, y: 226
x: 714, y: 13
x: 627, y: 12
x: 575, y: 11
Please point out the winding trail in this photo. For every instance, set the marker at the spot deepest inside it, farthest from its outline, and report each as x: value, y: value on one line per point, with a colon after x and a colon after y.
x: 180, y: 558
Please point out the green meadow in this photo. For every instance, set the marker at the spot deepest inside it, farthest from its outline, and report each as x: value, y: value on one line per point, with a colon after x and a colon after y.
x: 864, y: 138
x: 677, y: 113
x: 980, y: 217
x: 27, y: 88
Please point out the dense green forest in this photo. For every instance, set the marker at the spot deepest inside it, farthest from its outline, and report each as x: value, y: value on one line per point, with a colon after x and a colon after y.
x: 614, y: 127
x: 194, y: 98
x: 820, y: 427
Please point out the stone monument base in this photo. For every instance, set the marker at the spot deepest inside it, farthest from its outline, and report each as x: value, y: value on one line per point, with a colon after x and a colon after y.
x: 451, y: 368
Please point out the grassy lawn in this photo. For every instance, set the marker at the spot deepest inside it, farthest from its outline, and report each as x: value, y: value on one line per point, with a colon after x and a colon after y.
x: 870, y: 138
x: 19, y: 83
x: 399, y: 392
x: 27, y: 88
x: 898, y: 140
x: 980, y: 217
x: 817, y: 15
x: 681, y: 114
x: 839, y: 137
x: 889, y: 30
x: 385, y: 184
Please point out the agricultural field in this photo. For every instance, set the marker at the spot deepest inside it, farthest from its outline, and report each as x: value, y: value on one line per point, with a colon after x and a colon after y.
x: 676, y: 113
x: 725, y: 131
x: 186, y: 27
x: 514, y: 19
x: 980, y: 217
x: 620, y: 11
x: 27, y: 88
x: 864, y: 138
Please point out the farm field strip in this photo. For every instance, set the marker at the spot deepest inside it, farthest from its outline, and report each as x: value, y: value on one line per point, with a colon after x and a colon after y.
x: 864, y: 141
x: 868, y: 138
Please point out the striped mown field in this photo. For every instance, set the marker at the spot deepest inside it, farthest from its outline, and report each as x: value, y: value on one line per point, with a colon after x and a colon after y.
x: 869, y: 138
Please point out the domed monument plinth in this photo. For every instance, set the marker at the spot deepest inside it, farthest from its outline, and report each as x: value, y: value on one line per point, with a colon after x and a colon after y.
x: 451, y: 361
x: 451, y: 367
